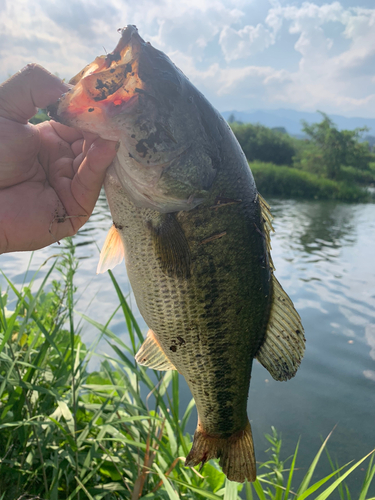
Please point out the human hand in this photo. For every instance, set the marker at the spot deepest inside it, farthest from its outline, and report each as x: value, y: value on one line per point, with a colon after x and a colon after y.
x: 50, y: 174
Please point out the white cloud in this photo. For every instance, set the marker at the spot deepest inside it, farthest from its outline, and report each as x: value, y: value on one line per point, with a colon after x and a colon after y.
x: 215, y: 44
x: 245, y: 42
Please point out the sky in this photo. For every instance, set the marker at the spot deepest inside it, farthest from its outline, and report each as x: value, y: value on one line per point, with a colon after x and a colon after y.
x: 242, y: 54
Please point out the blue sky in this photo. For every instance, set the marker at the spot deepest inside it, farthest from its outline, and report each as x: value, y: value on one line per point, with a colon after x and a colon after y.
x: 242, y: 54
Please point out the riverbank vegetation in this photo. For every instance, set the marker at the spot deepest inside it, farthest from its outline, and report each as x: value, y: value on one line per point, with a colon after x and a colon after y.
x: 115, y: 432
x: 326, y: 164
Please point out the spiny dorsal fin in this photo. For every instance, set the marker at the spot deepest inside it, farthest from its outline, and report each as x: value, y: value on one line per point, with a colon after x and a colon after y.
x: 152, y: 355
x: 284, y: 345
x: 267, y: 225
x: 112, y: 252
x: 171, y: 245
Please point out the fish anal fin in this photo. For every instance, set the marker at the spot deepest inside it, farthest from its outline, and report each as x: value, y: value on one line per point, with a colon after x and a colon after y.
x: 236, y: 453
x: 171, y: 246
x: 284, y: 344
x: 112, y: 252
x: 151, y: 354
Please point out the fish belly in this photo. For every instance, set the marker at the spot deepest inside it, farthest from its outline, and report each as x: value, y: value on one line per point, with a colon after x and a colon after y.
x: 212, y: 323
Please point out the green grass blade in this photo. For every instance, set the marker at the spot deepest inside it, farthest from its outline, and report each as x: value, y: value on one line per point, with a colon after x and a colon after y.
x: 128, y: 315
x: 368, y: 479
x: 187, y: 414
x: 314, y: 487
x: 306, y: 480
x: 9, y: 326
x: 249, y: 491
x: 231, y: 490
x: 171, y: 492
x: 105, y: 331
x: 335, y: 484
x: 291, y: 471
x: 259, y: 490
x: 204, y: 492
x: 84, y: 489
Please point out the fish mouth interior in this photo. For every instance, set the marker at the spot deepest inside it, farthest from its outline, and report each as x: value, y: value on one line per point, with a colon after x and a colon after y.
x: 114, y: 77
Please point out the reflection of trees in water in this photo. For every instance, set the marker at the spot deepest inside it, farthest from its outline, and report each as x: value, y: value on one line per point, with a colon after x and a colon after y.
x: 315, y: 225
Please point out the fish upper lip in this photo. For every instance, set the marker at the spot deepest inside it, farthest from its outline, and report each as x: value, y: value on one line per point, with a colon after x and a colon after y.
x: 127, y: 34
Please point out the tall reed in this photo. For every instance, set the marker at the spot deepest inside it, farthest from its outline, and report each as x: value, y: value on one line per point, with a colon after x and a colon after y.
x: 67, y: 432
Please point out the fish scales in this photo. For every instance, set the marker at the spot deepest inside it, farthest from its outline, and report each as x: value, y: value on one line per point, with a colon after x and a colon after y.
x: 209, y: 312
x: 195, y: 235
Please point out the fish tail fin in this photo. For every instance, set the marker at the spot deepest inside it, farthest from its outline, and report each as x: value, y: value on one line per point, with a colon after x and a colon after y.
x: 236, y: 453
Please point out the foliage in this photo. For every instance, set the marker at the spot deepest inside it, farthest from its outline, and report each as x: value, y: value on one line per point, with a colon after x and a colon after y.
x: 334, y: 148
x: 40, y: 117
x: 68, y: 433
x: 277, y: 482
x: 289, y: 182
x: 263, y: 144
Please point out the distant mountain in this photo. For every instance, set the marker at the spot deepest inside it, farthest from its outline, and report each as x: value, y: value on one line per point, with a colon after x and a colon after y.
x: 291, y: 119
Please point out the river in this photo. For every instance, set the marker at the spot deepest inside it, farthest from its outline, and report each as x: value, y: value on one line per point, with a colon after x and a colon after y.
x: 324, y: 258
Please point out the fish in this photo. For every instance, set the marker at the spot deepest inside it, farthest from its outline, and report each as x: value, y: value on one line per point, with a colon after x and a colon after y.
x: 195, y: 235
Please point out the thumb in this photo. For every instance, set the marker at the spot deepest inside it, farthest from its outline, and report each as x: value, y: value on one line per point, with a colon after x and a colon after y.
x: 89, y: 178
x: 31, y: 88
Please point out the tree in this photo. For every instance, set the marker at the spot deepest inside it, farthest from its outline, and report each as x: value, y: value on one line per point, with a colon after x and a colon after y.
x: 263, y: 144
x: 337, y: 148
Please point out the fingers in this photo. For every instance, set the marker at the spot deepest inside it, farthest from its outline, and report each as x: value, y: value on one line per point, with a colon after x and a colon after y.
x: 31, y: 88
x: 89, y: 139
x: 86, y: 184
x: 67, y: 134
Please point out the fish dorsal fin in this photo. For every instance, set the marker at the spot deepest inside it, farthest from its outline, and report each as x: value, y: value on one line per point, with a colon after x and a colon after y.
x: 112, y: 252
x: 284, y: 345
x: 267, y: 226
x: 171, y: 246
x: 152, y: 355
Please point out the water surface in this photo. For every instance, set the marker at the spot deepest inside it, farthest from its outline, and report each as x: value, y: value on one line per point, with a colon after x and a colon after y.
x: 324, y: 258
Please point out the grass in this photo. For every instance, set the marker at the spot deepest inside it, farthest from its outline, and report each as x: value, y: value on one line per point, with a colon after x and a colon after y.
x: 275, y: 180
x: 115, y: 433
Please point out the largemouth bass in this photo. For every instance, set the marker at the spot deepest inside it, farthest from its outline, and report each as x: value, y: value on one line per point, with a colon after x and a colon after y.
x: 195, y: 235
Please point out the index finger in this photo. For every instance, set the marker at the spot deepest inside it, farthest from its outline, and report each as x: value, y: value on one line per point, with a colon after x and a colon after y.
x: 31, y: 88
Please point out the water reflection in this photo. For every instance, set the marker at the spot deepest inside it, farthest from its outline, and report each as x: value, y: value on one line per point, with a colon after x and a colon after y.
x: 370, y: 338
x: 323, y: 253
x: 316, y: 227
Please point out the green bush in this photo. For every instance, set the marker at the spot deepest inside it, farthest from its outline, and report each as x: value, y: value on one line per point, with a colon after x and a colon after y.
x: 332, y: 149
x: 263, y: 144
x: 273, y: 180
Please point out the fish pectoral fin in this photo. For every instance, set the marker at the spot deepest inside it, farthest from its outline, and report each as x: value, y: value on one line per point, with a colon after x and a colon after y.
x: 284, y: 345
x: 171, y: 246
x: 267, y: 226
x: 152, y: 355
x: 112, y: 252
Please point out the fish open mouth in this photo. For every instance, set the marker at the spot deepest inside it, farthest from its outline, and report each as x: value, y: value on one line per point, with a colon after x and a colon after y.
x: 108, y: 85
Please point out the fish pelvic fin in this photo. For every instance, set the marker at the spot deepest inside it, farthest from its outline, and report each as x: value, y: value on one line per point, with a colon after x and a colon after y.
x: 284, y: 344
x: 112, y: 252
x: 151, y: 354
x: 236, y: 453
